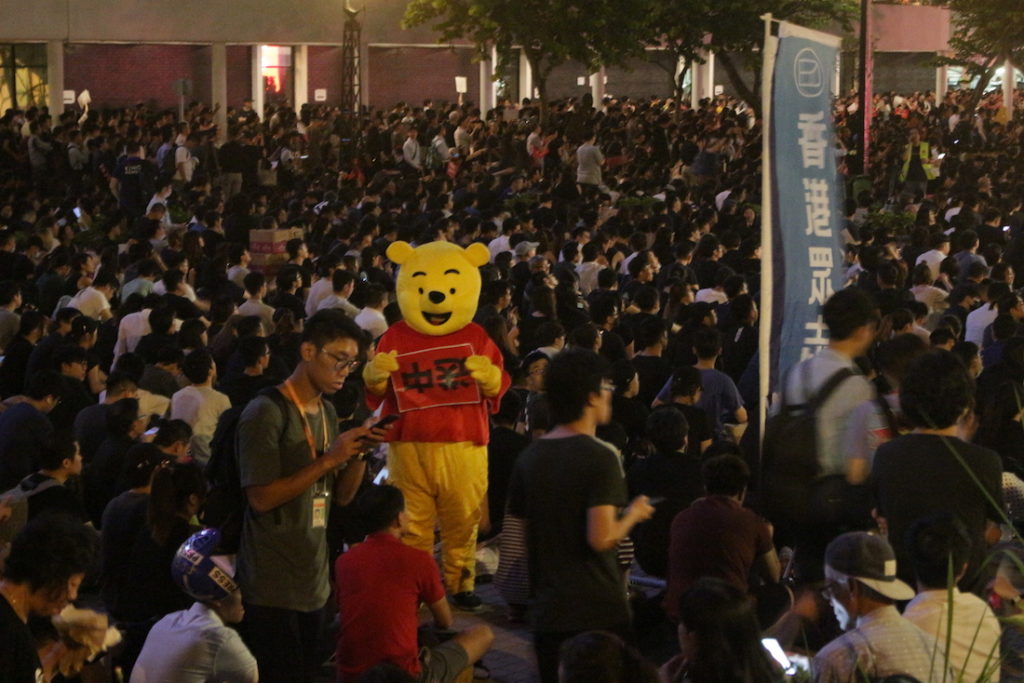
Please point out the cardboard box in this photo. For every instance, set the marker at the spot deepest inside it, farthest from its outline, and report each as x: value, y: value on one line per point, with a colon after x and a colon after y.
x: 272, y: 241
x: 268, y: 264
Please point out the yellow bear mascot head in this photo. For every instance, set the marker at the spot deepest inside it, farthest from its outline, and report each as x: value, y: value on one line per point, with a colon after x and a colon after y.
x: 438, y: 285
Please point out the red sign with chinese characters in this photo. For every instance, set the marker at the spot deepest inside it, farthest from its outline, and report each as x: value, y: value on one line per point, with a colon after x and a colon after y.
x: 434, y: 377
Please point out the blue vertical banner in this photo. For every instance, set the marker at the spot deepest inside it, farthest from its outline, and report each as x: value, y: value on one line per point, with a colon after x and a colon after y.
x: 804, y: 193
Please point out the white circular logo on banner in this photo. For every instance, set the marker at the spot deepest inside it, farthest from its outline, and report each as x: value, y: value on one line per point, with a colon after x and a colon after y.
x: 808, y: 74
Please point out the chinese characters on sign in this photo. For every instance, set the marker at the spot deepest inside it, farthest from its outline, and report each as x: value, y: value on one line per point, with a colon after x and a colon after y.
x: 435, y: 377
x: 803, y: 189
x: 813, y: 143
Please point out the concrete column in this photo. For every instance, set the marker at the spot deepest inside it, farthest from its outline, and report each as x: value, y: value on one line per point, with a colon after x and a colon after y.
x: 597, y: 88
x: 55, y: 77
x: 300, y: 74
x: 941, y: 78
x: 696, y: 75
x: 257, y: 80
x: 702, y: 79
x: 219, y: 88
x: 487, y: 85
x: 525, y: 77
x: 709, y: 75
x: 1008, y: 83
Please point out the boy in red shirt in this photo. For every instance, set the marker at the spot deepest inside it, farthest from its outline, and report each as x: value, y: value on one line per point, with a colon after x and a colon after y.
x: 380, y: 585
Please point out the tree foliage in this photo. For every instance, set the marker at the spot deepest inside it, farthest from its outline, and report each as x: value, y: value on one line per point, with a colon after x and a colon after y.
x: 550, y: 32
x: 985, y: 34
x: 736, y: 32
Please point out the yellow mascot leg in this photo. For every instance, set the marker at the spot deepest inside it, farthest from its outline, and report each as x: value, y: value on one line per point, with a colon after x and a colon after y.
x: 461, y: 476
x: 406, y: 470
x: 443, y: 483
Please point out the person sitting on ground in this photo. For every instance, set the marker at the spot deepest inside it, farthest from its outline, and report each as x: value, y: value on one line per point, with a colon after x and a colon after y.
x: 176, y: 495
x: 73, y: 364
x: 862, y: 585
x: 90, y: 426
x: 684, y: 392
x: 939, y: 549
x: 199, y: 644
x: 46, y: 489
x: 199, y: 404
x: 719, y: 638
x: 161, y: 322
x: 380, y: 585
x: 161, y: 377
x: 716, y: 536
x: 671, y: 474
x: 25, y: 429
x: 371, y: 318
x: 13, y: 371
x: 601, y: 657
x: 103, y: 478
x: 343, y: 283
x: 123, y: 518
x: 255, y: 293
x: 46, y: 565
x: 240, y: 387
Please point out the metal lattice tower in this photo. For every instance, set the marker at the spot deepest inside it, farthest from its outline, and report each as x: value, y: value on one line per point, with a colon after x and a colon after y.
x: 350, y: 86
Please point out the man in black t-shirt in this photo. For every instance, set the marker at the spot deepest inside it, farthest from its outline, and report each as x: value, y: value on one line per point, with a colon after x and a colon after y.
x: 136, y: 179
x: 568, y: 487
x: 45, y: 490
x: 932, y: 470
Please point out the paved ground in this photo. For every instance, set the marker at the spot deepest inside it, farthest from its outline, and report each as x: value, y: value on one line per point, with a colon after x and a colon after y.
x: 511, y: 659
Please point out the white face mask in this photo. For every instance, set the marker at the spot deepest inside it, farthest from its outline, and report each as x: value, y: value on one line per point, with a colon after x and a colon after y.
x: 842, y: 616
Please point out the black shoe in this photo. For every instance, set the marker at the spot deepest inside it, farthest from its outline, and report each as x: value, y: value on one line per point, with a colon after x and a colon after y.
x: 467, y: 601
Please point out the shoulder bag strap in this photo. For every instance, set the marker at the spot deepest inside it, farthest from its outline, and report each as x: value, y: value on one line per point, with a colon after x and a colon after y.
x: 830, y: 386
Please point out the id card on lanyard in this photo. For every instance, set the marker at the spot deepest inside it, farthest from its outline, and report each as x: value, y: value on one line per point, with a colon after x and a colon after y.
x: 318, y: 514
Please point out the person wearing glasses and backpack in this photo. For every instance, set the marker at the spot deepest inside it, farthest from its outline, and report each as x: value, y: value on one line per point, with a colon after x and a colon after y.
x: 293, y: 463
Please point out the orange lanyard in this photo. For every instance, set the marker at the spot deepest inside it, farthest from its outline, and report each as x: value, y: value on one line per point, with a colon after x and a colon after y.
x: 306, y: 428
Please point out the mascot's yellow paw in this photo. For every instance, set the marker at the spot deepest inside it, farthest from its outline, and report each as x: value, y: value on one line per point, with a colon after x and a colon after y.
x: 378, y: 370
x: 486, y: 374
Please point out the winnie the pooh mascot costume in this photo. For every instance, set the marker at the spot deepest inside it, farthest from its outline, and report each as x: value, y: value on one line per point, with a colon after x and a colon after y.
x: 442, y: 374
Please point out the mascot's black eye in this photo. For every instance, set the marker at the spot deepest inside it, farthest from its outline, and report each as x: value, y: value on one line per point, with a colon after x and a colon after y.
x: 452, y: 290
x: 421, y: 290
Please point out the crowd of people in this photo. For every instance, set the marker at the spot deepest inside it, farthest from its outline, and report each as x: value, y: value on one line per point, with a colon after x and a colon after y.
x: 185, y: 442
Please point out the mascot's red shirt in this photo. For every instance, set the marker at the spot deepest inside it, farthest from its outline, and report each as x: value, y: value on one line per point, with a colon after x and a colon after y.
x: 432, y: 391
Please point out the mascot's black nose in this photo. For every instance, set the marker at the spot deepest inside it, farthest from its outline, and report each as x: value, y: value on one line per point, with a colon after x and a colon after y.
x: 436, y: 297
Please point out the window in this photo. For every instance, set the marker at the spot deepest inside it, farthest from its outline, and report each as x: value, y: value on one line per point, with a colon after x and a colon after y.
x: 276, y: 68
x: 23, y: 76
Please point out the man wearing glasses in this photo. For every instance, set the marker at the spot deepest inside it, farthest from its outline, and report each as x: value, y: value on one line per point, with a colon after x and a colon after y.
x: 861, y: 585
x: 292, y: 463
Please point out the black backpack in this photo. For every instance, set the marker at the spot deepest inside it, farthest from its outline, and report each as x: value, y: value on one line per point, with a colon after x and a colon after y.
x: 790, y: 457
x: 169, y: 164
x: 226, y: 502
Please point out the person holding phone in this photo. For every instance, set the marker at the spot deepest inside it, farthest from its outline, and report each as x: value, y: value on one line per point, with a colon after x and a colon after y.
x: 293, y: 463
x: 569, y: 490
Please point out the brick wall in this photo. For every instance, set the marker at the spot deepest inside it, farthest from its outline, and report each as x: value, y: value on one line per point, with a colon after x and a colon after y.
x: 122, y: 75
x: 413, y: 74
x: 239, y: 68
x: 324, y: 64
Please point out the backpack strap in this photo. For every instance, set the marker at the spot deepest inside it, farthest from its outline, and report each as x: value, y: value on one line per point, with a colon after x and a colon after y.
x: 826, y: 390
x: 48, y: 483
x: 890, y: 417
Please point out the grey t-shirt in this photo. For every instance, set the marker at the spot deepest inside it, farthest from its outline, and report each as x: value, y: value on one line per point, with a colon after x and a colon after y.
x: 806, y: 379
x: 282, y: 559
